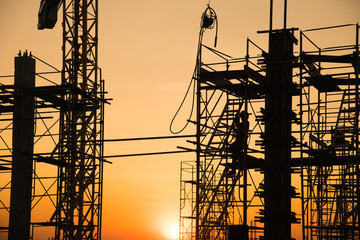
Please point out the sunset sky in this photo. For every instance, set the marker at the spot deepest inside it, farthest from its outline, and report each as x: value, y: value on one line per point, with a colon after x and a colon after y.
x: 147, y: 53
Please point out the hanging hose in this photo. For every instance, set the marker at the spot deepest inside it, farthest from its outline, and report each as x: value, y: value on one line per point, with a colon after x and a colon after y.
x: 208, y: 21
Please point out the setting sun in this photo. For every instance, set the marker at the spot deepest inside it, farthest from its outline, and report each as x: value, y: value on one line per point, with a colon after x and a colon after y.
x: 174, y: 232
x: 151, y: 184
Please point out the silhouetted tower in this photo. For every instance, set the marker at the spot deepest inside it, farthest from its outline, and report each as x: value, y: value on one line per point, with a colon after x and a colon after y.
x: 78, y: 211
x: 76, y: 102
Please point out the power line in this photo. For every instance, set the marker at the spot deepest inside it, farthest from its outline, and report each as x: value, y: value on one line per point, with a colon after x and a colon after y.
x: 147, y: 138
x: 145, y: 154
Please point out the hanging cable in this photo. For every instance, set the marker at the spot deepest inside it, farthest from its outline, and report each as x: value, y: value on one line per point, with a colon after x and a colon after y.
x: 208, y: 21
x: 182, y: 102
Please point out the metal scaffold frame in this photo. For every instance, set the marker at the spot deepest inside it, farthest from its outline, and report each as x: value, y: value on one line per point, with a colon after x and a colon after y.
x: 319, y: 143
x: 329, y: 103
x: 78, y: 213
x: 68, y: 136
x: 215, y: 196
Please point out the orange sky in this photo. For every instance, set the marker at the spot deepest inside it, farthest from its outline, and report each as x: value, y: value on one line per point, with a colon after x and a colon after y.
x: 147, y: 52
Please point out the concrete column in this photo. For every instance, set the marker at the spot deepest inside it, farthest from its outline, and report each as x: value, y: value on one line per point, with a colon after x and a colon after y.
x: 23, y: 145
x: 278, y: 112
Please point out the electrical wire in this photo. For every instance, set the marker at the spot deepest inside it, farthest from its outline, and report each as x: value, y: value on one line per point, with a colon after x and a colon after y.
x: 208, y: 21
x: 189, y: 87
x: 182, y: 103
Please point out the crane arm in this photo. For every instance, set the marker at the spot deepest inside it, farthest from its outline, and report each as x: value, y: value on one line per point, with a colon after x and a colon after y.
x: 48, y: 13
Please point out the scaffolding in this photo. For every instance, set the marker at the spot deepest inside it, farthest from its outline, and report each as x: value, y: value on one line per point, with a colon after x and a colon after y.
x: 228, y: 191
x: 329, y: 79
x: 308, y: 118
x: 79, y: 190
x: 68, y: 136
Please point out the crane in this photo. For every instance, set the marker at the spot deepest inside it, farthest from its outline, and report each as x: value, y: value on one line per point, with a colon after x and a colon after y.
x: 79, y: 100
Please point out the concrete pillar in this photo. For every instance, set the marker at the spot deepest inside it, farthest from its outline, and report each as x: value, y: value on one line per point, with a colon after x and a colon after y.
x: 23, y: 145
x: 278, y: 112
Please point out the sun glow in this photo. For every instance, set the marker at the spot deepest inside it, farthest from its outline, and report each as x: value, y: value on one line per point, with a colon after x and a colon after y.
x: 174, y: 232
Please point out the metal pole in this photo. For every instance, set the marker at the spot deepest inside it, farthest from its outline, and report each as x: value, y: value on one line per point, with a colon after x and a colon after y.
x: 271, y: 14
x: 357, y: 64
x: 285, y: 13
x: 301, y: 141
x: 198, y: 147
x: 246, y: 147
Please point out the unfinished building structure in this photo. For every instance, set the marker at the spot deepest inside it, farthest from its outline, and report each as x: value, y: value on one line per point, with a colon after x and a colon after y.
x: 290, y: 167
x: 52, y: 136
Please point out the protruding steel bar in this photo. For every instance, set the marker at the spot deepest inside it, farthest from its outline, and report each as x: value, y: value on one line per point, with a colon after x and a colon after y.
x: 271, y: 14
x: 285, y: 13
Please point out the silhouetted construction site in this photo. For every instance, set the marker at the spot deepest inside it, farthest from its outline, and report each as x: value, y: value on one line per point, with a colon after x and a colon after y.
x: 276, y: 142
x: 277, y: 138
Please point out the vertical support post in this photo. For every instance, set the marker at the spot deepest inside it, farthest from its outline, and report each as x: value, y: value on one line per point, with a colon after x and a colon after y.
x: 278, y: 105
x: 101, y: 144
x: 356, y: 64
x: 245, y: 176
x: 285, y: 13
x: 198, y: 147
x: 271, y: 14
x: 23, y: 141
x: 301, y: 141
